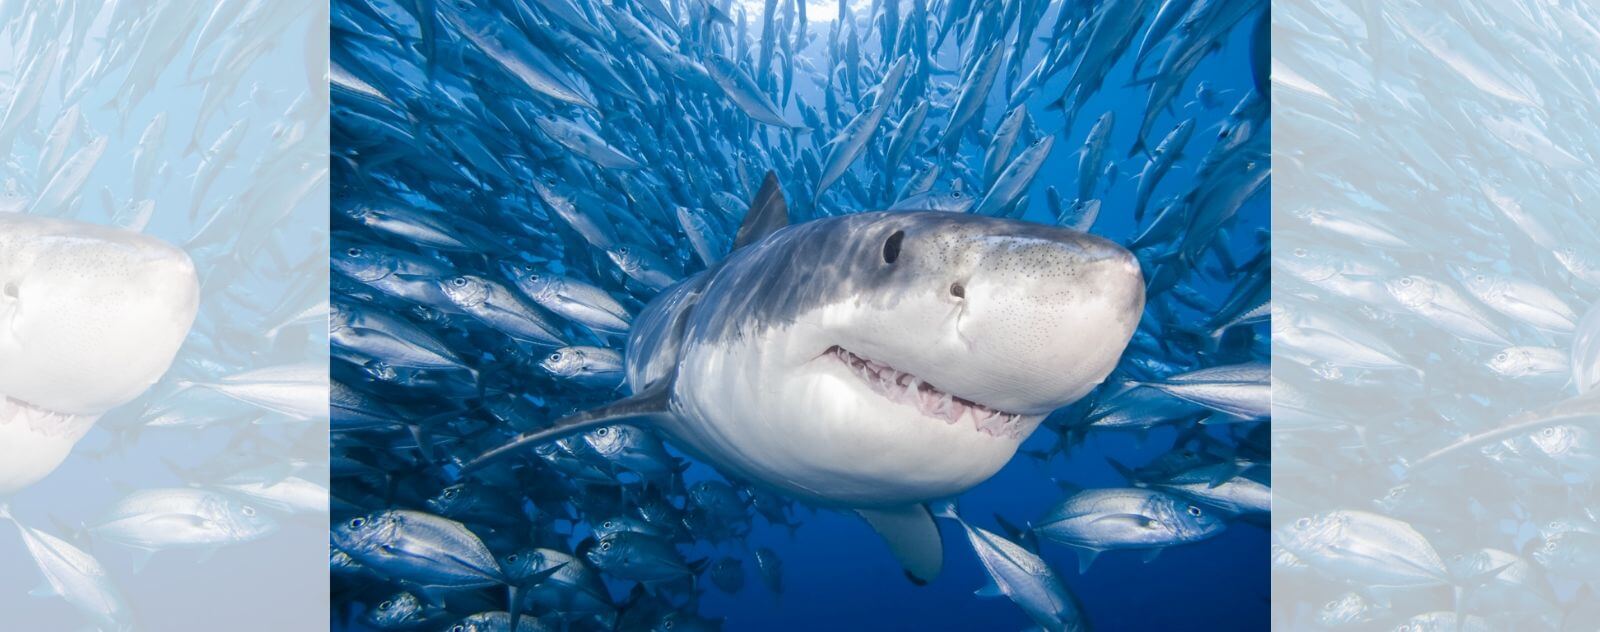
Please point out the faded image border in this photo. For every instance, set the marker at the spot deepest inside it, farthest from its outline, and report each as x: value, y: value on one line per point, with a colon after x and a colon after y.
x: 205, y: 126
x: 1435, y: 321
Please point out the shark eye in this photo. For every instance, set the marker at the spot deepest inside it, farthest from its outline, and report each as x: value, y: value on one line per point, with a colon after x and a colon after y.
x: 891, y: 246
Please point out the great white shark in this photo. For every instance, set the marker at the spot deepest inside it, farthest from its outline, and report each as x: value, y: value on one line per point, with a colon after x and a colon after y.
x: 90, y: 317
x: 874, y: 361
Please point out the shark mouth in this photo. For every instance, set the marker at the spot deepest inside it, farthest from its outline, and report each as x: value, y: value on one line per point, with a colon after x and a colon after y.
x: 45, y: 422
x: 905, y: 388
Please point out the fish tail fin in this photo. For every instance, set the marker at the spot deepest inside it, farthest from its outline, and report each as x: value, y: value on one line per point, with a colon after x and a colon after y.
x: 1139, y: 148
x: 1122, y: 470
x: 514, y: 605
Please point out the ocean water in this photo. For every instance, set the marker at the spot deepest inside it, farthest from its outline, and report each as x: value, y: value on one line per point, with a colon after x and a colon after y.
x: 474, y: 151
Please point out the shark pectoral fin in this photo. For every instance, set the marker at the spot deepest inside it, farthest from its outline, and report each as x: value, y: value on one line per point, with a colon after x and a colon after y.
x: 652, y: 401
x: 912, y: 537
x: 768, y: 213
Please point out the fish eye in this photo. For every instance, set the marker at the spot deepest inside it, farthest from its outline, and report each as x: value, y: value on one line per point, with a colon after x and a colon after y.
x: 605, y: 546
x: 1406, y: 282
x: 667, y: 624
x: 604, y: 431
x: 1300, y: 252
x: 891, y: 246
x: 354, y: 252
x: 1501, y: 357
x: 458, y: 628
x: 459, y: 281
x: 1331, y: 605
x: 248, y: 511
x: 958, y: 290
x: 11, y: 290
x: 1194, y: 511
x: 1480, y: 278
x: 1303, y: 523
x: 386, y: 605
x: 955, y: 194
x: 623, y: 250
x: 356, y: 523
x: 512, y: 558
x: 450, y: 493
x: 609, y: 524
x: 1549, y: 432
x: 555, y: 357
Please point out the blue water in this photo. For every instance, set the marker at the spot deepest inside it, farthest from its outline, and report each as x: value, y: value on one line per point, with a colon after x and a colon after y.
x: 838, y: 574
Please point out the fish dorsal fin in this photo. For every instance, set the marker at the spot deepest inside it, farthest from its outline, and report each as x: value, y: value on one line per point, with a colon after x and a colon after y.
x: 912, y: 537
x: 653, y: 401
x: 768, y: 213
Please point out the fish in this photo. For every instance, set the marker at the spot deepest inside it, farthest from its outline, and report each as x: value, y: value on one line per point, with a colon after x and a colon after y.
x: 1020, y: 575
x: 75, y: 576
x: 152, y: 520
x: 663, y: 364
x: 1097, y: 520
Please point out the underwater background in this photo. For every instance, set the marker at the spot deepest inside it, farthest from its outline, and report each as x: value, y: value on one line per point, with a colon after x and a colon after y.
x: 441, y: 128
x: 204, y: 127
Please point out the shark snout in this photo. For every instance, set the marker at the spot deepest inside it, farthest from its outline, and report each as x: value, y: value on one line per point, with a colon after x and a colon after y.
x: 91, y: 316
x: 1045, y: 320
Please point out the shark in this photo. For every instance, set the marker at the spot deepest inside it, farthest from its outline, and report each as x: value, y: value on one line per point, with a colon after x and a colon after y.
x: 876, y: 361
x: 90, y: 317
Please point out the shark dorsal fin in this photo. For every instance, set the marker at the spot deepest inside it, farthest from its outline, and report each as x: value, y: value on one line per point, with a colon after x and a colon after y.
x: 768, y: 213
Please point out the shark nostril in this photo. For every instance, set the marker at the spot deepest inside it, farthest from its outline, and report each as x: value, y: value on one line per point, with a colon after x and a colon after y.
x: 958, y: 290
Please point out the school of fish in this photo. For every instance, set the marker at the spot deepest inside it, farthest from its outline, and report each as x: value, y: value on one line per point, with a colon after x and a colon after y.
x: 525, y: 193
x: 165, y: 335
x: 1435, y: 317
